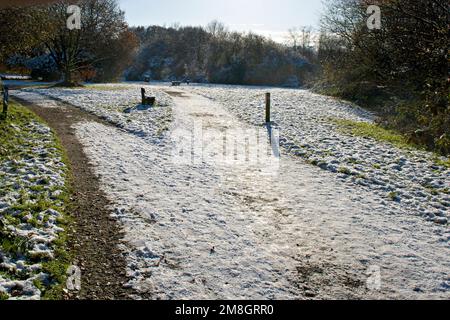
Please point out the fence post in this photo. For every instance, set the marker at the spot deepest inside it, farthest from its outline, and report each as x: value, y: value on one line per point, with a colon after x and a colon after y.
x: 143, y: 96
x: 5, y: 100
x: 268, y: 107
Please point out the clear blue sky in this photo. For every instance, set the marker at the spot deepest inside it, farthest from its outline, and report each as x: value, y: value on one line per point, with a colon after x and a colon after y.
x: 268, y: 17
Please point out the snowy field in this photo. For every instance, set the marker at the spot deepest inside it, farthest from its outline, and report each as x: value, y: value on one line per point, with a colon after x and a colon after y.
x: 31, y: 187
x: 411, y: 177
x: 207, y: 231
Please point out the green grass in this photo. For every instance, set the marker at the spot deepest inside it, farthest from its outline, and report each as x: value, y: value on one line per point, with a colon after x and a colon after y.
x: 106, y: 88
x: 14, y: 144
x: 344, y: 170
x: 13, y: 245
x: 4, y: 296
x: 373, y: 131
x: 370, y: 130
x: 443, y: 163
x: 57, y: 268
x: 393, y: 196
x: 16, y: 141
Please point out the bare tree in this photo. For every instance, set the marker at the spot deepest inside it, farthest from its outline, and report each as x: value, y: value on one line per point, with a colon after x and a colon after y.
x: 102, y: 25
x: 217, y: 29
x: 300, y: 39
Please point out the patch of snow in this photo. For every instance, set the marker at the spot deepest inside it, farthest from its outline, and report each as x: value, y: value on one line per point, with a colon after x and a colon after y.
x: 18, y: 178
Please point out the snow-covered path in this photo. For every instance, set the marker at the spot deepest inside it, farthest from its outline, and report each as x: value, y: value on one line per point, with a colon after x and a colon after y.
x: 207, y: 231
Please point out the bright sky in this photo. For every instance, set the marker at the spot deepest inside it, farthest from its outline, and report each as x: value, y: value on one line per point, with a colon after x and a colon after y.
x: 267, y: 17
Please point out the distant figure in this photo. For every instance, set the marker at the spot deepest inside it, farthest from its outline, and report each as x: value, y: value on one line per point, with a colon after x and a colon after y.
x: 188, y: 81
x: 147, y: 78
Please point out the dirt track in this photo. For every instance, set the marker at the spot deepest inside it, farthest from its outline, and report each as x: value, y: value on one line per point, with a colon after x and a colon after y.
x: 95, y: 236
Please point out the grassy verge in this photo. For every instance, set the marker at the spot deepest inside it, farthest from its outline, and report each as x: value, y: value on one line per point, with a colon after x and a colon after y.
x: 441, y: 162
x: 17, y: 140
x: 371, y: 130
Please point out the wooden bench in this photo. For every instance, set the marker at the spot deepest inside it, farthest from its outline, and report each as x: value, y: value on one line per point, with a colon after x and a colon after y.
x: 147, y: 101
x: 176, y: 83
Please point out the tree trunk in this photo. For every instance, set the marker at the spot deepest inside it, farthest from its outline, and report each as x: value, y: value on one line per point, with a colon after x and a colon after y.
x: 67, y: 76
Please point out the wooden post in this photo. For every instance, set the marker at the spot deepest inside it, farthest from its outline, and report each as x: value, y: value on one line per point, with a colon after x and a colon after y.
x: 5, y: 100
x: 268, y: 107
x: 143, y: 96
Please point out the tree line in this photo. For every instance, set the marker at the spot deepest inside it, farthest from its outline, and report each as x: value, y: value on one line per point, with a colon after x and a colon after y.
x: 105, y: 49
x: 214, y: 54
